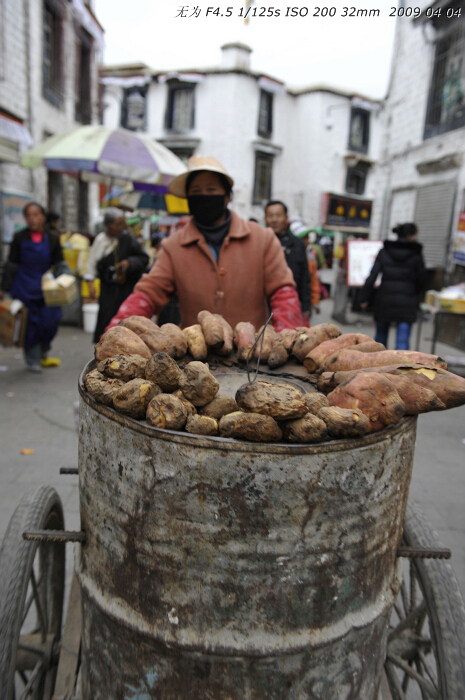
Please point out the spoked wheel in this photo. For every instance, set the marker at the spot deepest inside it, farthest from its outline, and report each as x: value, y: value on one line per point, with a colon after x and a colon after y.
x: 426, y: 643
x: 31, y: 599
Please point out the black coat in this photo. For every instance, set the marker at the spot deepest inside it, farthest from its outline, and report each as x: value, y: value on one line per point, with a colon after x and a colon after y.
x: 403, y: 280
x: 296, y: 258
x: 112, y: 292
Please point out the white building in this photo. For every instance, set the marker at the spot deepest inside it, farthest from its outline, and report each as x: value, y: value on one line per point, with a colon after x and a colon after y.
x: 49, y: 53
x: 300, y: 146
x: 421, y: 169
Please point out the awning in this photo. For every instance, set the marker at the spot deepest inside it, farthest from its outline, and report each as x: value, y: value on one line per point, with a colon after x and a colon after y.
x: 14, y: 138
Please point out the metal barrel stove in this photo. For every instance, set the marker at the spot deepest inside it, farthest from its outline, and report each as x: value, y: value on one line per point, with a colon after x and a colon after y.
x: 216, y: 568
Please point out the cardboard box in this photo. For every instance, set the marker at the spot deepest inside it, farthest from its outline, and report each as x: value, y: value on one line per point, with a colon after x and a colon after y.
x: 60, y: 291
x: 12, y: 325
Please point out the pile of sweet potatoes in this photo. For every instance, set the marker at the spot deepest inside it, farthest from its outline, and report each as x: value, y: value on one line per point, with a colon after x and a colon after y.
x: 362, y: 387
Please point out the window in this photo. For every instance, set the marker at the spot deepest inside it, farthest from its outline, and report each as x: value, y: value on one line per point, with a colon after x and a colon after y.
x: 133, y: 109
x: 262, y: 178
x: 183, y: 153
x: 265, y: 113
x: 356, y: 178
x: 180, y: 109
x: 359, y: 129
x: 52, y: 73
x: 83, y: 101
x: 446, y: 104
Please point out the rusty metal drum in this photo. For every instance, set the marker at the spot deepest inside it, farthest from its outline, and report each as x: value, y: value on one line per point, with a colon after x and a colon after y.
x: 216, y: 568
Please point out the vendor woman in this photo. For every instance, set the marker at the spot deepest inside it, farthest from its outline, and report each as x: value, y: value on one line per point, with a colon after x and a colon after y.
x: 34, y: 250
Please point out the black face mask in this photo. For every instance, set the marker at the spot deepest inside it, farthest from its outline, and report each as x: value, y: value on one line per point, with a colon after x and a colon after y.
x: 206, y: 208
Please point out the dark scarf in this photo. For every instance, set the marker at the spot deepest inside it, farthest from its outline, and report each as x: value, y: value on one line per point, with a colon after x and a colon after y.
x: 215, y: 235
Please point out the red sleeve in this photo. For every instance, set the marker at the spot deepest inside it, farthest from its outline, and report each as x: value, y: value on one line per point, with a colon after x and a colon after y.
x: 286, y: 309
x: 137, y: 304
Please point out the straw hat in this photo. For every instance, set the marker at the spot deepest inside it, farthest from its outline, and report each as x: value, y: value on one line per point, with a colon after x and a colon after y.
x: 197, y: 162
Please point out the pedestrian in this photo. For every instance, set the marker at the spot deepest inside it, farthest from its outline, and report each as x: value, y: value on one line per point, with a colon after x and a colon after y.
x: 301, y: 231
x: 294, y: 251
x: 34, y: 251
x: 217, y: 262
x: 403, y: 279
x: 117, y: 259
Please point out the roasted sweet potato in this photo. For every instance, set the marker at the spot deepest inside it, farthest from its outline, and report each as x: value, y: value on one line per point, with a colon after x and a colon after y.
x: 178, y: 338
x: 220, y: 406
x: 280, y: 401
x: 309, y: 338
x: 196, y: 342
x: 190, y: 408
x: 202, y: 425
x: 256, y: 428
x: 351, y: 359
x: 314, y: 401
x: 133, y: 397
x: 157, y: 341
x: 212, y: 329
x: 316, y: 356
x: 166, y: 411
x: 310, y: 428
x: 124, y: 367
x: 244, y: 338
x: 448, y: 387
x: 345, y: 422
x: 263, y: 350
x: 227, y: 423
x: 198, y: 384
x: 138, y: 324
x: 374, y: 395
x: 228, y: 337
x: 278, y: 354
x: 369, y: 346
x: 417, y: 399
x: 102, y: 388
x: 120, y: 341
x: 161, y: 369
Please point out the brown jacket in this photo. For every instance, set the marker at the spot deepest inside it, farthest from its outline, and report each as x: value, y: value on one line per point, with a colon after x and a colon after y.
x: 250, y: 268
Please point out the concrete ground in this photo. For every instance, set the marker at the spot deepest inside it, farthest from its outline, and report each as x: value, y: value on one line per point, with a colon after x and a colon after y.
x: 36, y: 413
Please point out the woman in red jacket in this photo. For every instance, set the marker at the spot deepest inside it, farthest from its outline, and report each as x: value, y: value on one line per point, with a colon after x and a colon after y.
x: 218, y: 261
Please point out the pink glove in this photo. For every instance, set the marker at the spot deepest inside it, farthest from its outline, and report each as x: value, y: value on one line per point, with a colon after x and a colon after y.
x: 287, y: 312
x: 137, y: 304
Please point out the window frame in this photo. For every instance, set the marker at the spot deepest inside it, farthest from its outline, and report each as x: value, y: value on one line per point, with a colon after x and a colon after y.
x: 83, y: 76
x: 125, y: 112
x: 444, y: 46
x: 262, y: 158
x: 175, y: 88
x: 266, y: 129
x: 360, y: 173
x: 52, y: 66
x: 365, y: 115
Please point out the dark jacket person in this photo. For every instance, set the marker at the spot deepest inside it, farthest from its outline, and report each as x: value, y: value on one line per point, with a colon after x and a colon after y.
x: 403, y: 279
x: 294, y: 251
x: 117, y: 259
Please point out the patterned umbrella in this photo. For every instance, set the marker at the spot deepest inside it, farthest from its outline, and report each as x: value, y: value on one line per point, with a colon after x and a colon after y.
x: 107, y: 155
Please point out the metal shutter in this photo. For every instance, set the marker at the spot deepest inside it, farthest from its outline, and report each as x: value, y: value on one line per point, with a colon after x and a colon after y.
x: 433, y: 214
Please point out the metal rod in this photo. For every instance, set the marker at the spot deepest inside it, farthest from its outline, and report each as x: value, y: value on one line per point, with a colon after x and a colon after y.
x: 262, y: 336
x: 69, y: 470
x: 424, y: 553
x: 54, y: 536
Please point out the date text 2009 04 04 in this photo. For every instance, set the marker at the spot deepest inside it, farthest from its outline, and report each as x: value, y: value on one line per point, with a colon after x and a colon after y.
x: 317, y: 11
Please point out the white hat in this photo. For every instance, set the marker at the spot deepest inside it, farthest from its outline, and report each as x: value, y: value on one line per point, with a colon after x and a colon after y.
x: 298, y: 227
x: 194, y: 164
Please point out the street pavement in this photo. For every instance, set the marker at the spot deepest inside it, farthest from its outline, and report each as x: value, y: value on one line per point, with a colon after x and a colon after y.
x: 36, y: 413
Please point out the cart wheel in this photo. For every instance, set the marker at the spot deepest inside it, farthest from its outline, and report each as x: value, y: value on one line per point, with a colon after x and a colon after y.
x: 32, y: 585
x: 426, y: 643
